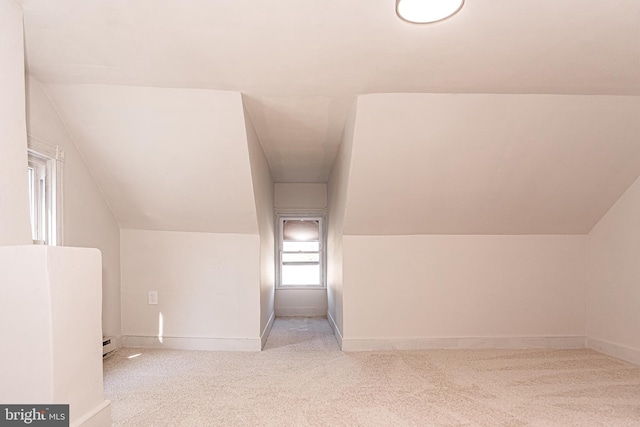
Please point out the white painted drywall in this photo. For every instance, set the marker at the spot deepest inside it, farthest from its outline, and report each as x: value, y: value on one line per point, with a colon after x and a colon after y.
x: 296, y: 152
x: 298, y: 197
x: 490, y: 163
x: 168, y: 159
x: 88, y: 220
x: 301, y: 302
x: 50, y: 319
x: 337, y: 196
x: 208, y: 285
x: 417, y: 287
x: 25, y: 302
x: 301, y: 198
x: 263, y: 193
x: 303, y: 61
x: 14, y: 193
x: 75, y: 289
x: 613, y: 296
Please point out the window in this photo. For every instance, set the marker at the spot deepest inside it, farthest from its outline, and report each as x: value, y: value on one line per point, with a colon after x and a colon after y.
x: 44, y: 173
x: 301, y: 256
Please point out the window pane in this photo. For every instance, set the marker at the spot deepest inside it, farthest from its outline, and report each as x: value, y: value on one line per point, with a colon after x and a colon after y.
x: 301, y: 257
x: 301, y: 274
x: 40, y: 201
x: 301, y: 246
x: 32, y: 203
x: 300, y: 230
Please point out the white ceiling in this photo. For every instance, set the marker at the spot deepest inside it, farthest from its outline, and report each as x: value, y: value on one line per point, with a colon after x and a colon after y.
x: 489, y: 164
x: 299, y: 64
x: 166, y: 159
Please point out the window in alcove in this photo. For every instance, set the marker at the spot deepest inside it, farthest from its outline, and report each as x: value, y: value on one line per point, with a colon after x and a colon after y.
x: 301, y: 256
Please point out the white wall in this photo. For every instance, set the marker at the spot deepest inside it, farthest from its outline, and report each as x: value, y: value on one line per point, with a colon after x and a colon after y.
x: 337, y: 196
x: 406, y: 269
x: 301, y: 302
x: 487, y: 291
x: 301, y: 198
x: 613, y: 297
x: 208, y: 287
x: 14, y: 201
x: 88, y: 220
x: 50, y: 317
x: 263, y: 193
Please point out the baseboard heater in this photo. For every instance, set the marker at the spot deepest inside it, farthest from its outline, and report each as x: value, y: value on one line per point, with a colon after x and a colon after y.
x: 108, y: 345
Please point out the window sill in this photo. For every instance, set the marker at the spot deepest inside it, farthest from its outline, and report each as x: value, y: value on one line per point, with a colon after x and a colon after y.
x: 298, y: 287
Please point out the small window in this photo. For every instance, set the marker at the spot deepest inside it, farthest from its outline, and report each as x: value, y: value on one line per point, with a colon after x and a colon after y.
x: 44, y: 174
x: 301, y: 259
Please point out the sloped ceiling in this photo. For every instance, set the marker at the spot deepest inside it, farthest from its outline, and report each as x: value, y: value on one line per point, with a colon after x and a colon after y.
x: 301, y: 64
x: 489, y: 164
x: 150, y: 92
x: 166, y: 159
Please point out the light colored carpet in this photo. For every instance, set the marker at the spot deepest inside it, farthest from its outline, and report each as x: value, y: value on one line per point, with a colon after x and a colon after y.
x: 302, y: 379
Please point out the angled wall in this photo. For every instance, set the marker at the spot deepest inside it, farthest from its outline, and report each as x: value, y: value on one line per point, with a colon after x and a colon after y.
x: 263, y: 193
x: 613, y: 294
x: 187, y: 180
x: 490, y: 164
x: 88, y: 220
x: 166, y: 159
x: 337, y: 191
x: 466, y: 216
x: 14, y: 202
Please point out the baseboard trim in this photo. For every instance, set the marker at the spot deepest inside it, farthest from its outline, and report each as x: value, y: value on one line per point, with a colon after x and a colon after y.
x: 336, y: 331
x: 378, y: 344
x: 99, y: 416
x: 300, y: 312
x: 183, y: 343
x: 267, y: 330
x: 614, y: 350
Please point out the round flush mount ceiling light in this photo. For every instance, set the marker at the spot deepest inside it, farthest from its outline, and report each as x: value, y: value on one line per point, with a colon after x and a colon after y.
x: 427, y: 11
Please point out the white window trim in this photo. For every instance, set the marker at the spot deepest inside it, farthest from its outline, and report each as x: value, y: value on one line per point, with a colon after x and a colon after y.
x: 281, y: 217
x: 54, y: 156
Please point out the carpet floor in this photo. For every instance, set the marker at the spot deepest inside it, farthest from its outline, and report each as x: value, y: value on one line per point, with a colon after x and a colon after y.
x: 303, y: 379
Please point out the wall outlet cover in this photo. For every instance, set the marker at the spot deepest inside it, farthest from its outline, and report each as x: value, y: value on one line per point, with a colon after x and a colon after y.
x: 153, y: 297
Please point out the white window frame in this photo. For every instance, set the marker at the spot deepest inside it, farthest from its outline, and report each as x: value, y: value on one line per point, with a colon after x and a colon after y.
x: 279, y: 250
x: 46, y: 206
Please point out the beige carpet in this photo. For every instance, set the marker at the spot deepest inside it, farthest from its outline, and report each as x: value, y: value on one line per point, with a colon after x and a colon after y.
x: 302, y: 379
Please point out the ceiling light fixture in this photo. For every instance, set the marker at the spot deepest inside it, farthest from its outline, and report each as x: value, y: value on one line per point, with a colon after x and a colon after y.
x: 427, y: 11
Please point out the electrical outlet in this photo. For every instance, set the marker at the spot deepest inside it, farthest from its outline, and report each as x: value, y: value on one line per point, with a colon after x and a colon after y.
x: 153, y: 297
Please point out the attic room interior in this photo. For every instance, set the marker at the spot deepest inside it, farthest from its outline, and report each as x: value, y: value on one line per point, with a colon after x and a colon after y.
x: 401, y: 223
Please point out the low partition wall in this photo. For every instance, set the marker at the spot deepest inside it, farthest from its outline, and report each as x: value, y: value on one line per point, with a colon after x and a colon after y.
x: 431, y: 291
x: 51, y: 308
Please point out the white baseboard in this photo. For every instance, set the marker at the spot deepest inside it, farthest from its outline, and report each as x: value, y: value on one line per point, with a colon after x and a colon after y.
x: 267, y: 330
x: 182, y: 343
x: 379, y: 344
x: 336, y: 330
x: 615, y: 350
x: 98, y: 416
x: 300, y: 312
